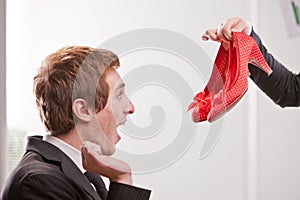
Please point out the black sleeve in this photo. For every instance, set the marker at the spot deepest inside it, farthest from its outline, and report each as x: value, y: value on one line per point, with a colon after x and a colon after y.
x: 282, y: 86
x: 119, y: 191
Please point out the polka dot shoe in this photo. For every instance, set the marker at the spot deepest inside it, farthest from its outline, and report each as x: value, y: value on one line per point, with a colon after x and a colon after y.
x: 243, y: 50
x: 202, y: 101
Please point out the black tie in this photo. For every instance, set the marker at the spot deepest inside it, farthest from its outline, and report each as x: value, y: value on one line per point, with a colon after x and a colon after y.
x: 97, y: 181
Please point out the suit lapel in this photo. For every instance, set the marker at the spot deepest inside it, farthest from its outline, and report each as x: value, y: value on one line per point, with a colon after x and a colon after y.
x: 68, y: 167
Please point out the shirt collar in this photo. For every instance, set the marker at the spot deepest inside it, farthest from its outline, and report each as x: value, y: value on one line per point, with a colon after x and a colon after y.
x: 71, y: 152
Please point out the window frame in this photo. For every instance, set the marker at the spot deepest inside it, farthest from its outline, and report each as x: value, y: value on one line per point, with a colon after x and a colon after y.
x: 3, y: 119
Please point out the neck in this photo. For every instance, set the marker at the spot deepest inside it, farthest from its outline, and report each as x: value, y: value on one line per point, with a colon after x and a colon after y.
x: 72, y: 139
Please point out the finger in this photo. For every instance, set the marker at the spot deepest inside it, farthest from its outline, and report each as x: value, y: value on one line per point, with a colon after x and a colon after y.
x: 90, y: 147
x: 84, y: 157
x: 226, y: 45
x: 83, y: 150
x: 223, y: 33
x: 226, y: 28
x: 235, y: 24
x: 210, y: 34
x: 88, y: 150
x: 242, y: 26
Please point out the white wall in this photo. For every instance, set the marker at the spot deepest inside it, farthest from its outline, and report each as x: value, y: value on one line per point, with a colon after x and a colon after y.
x: 223, y: 174
x: 49, y: 25
x: 278, y: 129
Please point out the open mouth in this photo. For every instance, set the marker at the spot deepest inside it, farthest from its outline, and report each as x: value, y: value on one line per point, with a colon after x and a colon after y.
x: 123, y: 122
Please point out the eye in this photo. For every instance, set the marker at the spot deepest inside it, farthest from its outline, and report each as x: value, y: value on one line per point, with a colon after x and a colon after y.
x: 120, y: 94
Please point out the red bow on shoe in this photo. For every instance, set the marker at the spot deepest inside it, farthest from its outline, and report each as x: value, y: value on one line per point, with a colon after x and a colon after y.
x: 233, y: 70
x: 201, y: 106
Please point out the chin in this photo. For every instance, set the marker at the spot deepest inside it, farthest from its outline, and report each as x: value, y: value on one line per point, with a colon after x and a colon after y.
x: 109, y: 150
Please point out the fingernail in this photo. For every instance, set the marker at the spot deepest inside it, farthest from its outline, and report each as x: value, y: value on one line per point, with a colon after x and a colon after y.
x: 205, y: 38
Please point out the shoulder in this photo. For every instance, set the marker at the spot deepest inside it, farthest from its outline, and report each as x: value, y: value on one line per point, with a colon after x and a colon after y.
x: 33, y: 177
x: 39, y: 186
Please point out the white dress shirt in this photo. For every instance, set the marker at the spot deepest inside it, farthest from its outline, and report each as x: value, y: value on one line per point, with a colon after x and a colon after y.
x: 72, y: 153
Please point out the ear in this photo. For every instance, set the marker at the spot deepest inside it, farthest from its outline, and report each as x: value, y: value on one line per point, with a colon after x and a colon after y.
x: 82, y: 110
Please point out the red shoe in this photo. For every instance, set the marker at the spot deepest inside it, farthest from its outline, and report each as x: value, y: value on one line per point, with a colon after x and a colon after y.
x: 245, y: 51
x: 202, y: 101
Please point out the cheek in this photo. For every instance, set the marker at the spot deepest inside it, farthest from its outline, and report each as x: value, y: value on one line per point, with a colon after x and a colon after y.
x: 109, y: 111
x: 108, y: 125
x: 118, y: 109
x: 106, y: 118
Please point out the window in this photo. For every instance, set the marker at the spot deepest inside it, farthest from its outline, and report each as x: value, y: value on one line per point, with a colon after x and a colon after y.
x: 15, y: 136
x: 21, y: 112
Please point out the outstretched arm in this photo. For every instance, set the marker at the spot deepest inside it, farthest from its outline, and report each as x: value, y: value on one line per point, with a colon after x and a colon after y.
x: 282, y: 86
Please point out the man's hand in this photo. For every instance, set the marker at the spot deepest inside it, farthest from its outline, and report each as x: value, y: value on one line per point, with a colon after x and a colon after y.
x: 225, y: 29
x: 114, y: 169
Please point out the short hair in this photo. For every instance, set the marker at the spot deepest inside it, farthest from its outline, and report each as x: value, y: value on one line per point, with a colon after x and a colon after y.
x: 71, y: 72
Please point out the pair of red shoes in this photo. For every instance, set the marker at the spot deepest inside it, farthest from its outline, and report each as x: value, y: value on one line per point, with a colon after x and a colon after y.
x: 229, y: 79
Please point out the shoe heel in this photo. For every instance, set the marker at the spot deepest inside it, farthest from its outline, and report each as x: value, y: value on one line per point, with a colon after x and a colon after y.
x: 257, y: 59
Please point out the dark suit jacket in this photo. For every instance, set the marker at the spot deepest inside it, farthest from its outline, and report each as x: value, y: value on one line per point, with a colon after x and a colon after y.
x: 282, y: 86
x: 45, y: 172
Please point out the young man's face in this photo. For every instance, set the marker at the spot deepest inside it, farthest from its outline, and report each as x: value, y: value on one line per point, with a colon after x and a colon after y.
x: 114, y: 113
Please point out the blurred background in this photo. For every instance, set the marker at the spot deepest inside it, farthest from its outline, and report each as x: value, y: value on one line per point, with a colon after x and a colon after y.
x: 256, y: 154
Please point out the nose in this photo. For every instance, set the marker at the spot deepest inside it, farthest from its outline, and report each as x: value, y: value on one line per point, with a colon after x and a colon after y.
x: 130, y: 107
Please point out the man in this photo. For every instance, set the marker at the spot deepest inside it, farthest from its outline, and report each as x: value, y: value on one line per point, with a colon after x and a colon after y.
x: 80, y: 98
